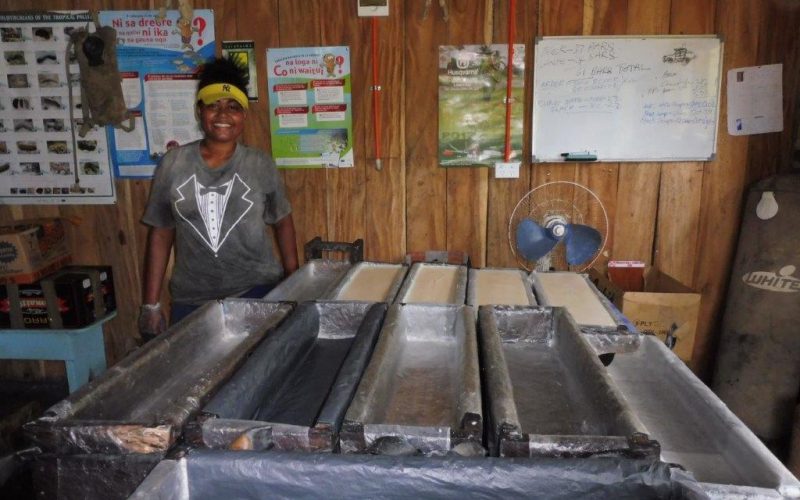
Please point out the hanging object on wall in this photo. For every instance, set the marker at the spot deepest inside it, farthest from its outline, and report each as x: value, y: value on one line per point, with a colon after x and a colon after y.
x: 102, y: 102
x: 244, y: 53
x: 472, y: 104
x: 376, y: 95
x: 758, y: 362
x: 158, y: 58
x: 41, y: 160
x: 507, y: 168
x: 310, y: 107
x: 372, y: 8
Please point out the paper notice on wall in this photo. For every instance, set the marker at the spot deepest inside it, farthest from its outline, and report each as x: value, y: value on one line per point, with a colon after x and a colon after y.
x: 43, y: 159
x: 169, y: 105
x: 755, y: 100
x: 310, y: 106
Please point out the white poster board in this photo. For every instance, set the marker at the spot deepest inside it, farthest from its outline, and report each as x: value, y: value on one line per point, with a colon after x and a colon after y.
x: 626, y: 98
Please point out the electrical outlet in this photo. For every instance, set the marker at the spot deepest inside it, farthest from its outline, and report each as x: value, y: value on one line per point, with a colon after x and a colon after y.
x: 506, y: 170
x: 372, y: 8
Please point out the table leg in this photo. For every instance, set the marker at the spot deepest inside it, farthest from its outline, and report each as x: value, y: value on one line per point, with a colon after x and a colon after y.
x: 88, y: 356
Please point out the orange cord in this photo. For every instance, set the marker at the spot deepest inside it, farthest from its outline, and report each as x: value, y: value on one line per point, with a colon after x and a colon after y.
x: 512, y: 7
x: 376, y: 102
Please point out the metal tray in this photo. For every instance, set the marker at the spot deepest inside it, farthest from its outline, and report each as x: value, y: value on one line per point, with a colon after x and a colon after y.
x: 493, y: 285
x: 421, y: 390
x: 607, y: 330
x: 140, y: 404
x: 310, y: 282
x: 695, y: 428
x: 293, y: 391
x: 434, y: 284
x: 547, y: 391
x: 370, y: 281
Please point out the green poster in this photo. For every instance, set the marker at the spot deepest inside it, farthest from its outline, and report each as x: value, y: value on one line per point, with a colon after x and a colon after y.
x: 472, y: 104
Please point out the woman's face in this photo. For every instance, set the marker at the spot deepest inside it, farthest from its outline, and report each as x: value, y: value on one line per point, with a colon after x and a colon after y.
x: 222, y: 121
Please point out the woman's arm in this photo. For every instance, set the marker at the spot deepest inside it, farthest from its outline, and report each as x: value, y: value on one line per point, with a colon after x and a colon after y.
x: 284, y: 232
x: 159, y: 246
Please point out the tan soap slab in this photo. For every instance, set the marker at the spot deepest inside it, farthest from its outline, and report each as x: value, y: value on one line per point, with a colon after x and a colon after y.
x: 434, y: 284
x: 371, y: 283
x: 495, y: 286
x: 572, y: 291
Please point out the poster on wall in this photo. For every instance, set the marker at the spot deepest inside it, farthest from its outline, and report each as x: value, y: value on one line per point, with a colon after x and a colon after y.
x: 42, y: 158
x: 243, y: 52
x: 158, y: 59
x: 472, y: 109
x: 310, y: 107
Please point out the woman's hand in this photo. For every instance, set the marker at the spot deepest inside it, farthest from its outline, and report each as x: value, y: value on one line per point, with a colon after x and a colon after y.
x: 151, y: 321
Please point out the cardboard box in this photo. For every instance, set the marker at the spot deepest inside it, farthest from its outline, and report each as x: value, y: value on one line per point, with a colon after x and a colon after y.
x: 65, y: 299
x: 31, y: 249
x: 664, y: 307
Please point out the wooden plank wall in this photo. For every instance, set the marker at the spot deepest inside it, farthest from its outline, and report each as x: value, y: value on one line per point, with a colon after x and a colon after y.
x: 683, y: 217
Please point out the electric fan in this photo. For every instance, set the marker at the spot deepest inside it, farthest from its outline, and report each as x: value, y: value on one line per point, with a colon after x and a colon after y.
x: 558, y: 226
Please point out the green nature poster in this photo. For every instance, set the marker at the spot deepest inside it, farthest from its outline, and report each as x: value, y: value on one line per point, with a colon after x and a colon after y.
x: 472, y: 104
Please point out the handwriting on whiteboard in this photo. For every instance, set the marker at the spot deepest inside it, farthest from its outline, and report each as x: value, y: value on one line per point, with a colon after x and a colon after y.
x: 594, y: 78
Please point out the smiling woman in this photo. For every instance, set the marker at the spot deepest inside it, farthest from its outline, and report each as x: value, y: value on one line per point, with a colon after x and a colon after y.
x: 212, y: 199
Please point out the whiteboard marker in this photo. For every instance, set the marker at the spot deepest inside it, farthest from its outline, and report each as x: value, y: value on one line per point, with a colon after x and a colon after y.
x: 579, y: 157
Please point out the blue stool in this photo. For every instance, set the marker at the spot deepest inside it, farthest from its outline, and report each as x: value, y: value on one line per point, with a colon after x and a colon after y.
x: 82, y: 349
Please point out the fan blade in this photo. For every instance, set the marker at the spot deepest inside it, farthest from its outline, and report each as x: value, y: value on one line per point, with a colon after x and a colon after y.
x: 534, y: 241
x: 582, y: 242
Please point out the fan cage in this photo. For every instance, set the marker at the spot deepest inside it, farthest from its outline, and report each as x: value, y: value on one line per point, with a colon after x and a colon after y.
x: 570, y: 202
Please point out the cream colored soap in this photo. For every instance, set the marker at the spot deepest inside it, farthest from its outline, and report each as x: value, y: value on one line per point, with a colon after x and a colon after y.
x: 370, y: 283
x: 571, y: 290
x: 435, y: 284
x: 495, y: 286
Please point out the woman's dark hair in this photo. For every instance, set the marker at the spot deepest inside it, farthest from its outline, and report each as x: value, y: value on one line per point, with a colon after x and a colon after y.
x: 224, y: 70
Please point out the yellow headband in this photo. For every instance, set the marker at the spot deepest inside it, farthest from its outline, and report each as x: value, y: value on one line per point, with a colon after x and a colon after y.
x: 216, y: 91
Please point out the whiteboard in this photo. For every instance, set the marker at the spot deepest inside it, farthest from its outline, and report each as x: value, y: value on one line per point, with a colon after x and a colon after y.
x: 626, y: 98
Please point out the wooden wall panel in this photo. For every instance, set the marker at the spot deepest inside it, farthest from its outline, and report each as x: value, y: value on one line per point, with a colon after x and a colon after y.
x: 467, y: 188
x: 300, y: 25
x: 723, y: 183
x: 345, y: 187
x: 682, y: 216
x: 771, y: 153
x: 637, y: 195
x: 681, y: 183
x: 385, y: 204
x: 426, y: 183
x: 560, y: 17
x: 505, y: 193
x: 601, y: 17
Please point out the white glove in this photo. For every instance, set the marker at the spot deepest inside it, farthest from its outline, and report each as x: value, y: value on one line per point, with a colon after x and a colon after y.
x: 151, y: 321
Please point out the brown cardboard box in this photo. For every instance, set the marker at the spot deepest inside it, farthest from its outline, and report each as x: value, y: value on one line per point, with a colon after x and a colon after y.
x: 664, y: 306
x: 31, y: 249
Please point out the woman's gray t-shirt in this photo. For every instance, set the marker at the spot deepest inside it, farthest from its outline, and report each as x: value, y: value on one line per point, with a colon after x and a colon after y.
x: 222, y: 246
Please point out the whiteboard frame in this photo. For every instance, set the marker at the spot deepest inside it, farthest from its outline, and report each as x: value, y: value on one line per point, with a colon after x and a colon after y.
x: 713, y: 154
